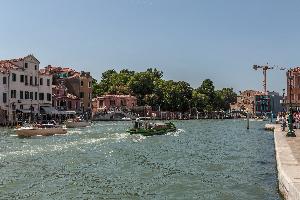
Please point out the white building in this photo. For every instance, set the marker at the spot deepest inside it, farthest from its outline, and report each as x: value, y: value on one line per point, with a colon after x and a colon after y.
x: 45, y: 91
x: 3, y: 93
x: 26, y: 87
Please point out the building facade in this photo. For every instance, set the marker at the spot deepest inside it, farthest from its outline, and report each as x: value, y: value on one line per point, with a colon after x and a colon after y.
x: 245, y: 101
x: 64, y: 101
x: 45, y: 89
x: 77, y: 85
x: 111, y: 102
x: 293, y: 92
x: 4, y: 74
x: 21, y: 88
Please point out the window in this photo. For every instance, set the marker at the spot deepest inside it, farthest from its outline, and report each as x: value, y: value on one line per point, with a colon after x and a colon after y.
x: 22, y: 78
x: 26, y: 95
x: 123, y: 102
x: 21, y: 95
x: 89, y: 105
x: 41, y: 96
x: 4, y: 80
x: 35, y: 67
x: 4, y: 97
x: 90, y: 84
x: 41, y: 81
x: 21, y: 107
x: 81, y: 83
x: 14, y: 77
x: 48, y: 97
x: 81, y: 95
x: 13, y: 94
x: 26, y: 80
x: 35, y: 81
x: 26, y: 65
x: 90, y: 95
x: 48, y: 82
x: 35, y: 95
x: 112, y: 102
x: 31, y: 95
x: 30, y: 80
x: 69, y: 105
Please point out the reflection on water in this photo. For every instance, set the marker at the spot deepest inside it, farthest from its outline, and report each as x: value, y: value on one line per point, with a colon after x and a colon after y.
x: 204, y: 159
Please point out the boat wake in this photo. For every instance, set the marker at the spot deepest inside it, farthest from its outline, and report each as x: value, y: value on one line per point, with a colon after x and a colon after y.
x: 176, y: 133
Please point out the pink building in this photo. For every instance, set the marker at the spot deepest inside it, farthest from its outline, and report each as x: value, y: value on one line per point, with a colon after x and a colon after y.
x: 109, y: 102
x: 62, y: 100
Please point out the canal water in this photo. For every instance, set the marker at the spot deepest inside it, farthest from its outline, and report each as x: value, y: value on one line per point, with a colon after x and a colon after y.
x: 205, y: 159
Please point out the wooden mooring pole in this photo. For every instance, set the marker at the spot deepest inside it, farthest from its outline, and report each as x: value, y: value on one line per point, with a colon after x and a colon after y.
x: 248, y: 120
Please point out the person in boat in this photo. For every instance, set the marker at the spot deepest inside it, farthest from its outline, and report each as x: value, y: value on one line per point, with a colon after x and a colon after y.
x: 137, y: 123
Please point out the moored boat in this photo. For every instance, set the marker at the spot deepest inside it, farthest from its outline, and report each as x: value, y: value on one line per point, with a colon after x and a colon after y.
x: 42, y: 130
x: 149, y: 129
x: 77, y: 123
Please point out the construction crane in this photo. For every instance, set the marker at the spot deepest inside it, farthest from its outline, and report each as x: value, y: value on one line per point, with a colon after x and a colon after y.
x: 265, y: 68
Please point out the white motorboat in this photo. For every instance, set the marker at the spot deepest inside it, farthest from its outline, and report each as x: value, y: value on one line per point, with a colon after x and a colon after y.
x: 42, y: 130
x: 77, y: 123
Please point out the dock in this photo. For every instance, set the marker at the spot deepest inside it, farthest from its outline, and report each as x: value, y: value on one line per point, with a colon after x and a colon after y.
x: 288, y: 163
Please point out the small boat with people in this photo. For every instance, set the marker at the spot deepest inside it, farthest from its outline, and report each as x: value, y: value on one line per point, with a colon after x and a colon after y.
x: 146, y: 128
x: 77, y: 123
x: 44, y: 129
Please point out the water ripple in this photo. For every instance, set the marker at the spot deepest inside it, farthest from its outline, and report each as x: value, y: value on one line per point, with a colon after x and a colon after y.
x: 202, y: 160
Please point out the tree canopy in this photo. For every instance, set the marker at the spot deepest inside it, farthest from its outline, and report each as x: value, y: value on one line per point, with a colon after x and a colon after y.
x: 151, y: 89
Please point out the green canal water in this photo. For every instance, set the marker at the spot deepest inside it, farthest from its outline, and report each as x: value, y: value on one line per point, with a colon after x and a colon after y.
x: 205, y: 159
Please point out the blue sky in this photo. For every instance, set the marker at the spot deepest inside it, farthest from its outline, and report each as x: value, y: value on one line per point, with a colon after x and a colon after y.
x: 189, y: 40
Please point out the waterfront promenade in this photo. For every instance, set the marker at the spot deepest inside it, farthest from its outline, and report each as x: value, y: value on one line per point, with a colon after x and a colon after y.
x: 288, y: 163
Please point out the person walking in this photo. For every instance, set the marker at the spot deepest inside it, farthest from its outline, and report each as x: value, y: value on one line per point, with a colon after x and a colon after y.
x: 283, y: 124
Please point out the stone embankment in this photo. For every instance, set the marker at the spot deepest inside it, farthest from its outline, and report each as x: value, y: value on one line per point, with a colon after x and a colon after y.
x: 288, y: 163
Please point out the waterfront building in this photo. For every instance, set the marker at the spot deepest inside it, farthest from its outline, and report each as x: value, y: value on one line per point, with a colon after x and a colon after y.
x: 3, y: 92
x: 21, y: 92
x: 269, y: 103
x: 77, y: 85
x: 45, y: 91
x: 245, y: 101
x: 293, y: 93
x: 111, y: 102
x: 64, y: 101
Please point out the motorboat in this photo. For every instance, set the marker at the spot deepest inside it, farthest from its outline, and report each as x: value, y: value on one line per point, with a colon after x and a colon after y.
x: 40, y: 129
x: 148, y: 129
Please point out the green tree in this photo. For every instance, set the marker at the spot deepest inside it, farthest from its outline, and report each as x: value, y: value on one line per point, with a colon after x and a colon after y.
x: 141, y: 84
x: 227, y: 96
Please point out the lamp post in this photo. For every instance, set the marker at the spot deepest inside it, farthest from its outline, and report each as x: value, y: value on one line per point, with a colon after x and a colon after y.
x: 291, y: 132
x: 272, y: 106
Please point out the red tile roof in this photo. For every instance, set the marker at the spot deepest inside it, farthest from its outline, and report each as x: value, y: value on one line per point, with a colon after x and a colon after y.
x: 8, y: 64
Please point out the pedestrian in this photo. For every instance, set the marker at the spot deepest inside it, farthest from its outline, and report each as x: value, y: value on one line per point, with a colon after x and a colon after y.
x: 283, y: 124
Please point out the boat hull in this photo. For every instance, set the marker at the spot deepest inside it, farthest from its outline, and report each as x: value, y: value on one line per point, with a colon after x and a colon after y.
x: 40, y: 131
x: 77, y: 124
x: 150, y: 132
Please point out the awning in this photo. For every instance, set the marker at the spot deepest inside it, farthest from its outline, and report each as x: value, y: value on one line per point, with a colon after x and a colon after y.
x: 49, y: 110
x: 26, y: 111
